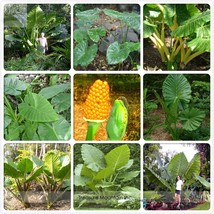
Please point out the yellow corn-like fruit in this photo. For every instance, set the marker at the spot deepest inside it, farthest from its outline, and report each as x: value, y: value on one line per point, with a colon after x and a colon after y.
x: 97, y: 104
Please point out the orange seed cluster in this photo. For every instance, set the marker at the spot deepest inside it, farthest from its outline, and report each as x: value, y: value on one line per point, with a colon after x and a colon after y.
x: 97, y: 104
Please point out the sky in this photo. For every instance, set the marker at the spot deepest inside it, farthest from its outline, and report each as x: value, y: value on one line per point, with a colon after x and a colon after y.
x: 188, y: 150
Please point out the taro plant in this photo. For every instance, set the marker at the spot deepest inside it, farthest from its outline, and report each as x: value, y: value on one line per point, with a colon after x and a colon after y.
x: 178, y: 165
x: 96, y: 111
x: 19, y: 176
x: 186, y: 27
x: 52, y: 173
x: 176, y: 105
x: 106, y: 174
x: 55, y: 179
x: 30, y: 115
x: 25, y: 30
x: 88, y: 37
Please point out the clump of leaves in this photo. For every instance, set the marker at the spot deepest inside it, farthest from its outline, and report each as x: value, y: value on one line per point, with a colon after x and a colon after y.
x: 176, y: 105
x: 104, y: 173
x: 88, y: 37
x: 187, y: 26
x: 52, y: 174
x: 35, y: 116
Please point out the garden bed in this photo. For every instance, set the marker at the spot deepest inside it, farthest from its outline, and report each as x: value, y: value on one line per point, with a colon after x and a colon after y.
x: 171, y: 206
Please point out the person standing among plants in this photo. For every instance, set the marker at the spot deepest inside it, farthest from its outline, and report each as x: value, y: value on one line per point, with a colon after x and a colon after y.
x: 179, y: 185
x: 43, y: 44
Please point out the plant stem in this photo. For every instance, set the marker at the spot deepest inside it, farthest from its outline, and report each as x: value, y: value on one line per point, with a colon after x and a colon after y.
x: 163, y: 57
x: 191, y: 57
x: 163, y: 46
x: 10, y: 109
x: 182, y: 50
x: 92, y: 129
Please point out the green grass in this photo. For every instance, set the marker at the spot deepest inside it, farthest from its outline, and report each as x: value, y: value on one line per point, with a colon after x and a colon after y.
x: 204, y: 206
x: 151, y: 195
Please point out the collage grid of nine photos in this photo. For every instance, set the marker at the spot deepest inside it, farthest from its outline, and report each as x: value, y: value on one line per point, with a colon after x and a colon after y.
x: 80, y: 78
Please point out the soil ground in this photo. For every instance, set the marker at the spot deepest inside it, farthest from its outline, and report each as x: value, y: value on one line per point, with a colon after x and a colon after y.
x: 37, y: 201
x: 159, y: 133
x: 152, y: 60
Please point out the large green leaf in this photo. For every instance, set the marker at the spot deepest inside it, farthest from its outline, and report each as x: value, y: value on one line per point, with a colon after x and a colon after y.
x: 193, y: 168
x: 203, y: 181
x: 14, y: 86
x: 155, y: 178
x: 131, y: 191
x: 35, y: 174
x: 54, y: 90
x: 118, y: 157
x: 88, y: 14
x: 80, y: 35
x: 112, y: 13
x: 191, y: 25
x: 104, y: 173
x: 85, y: 171
x: 84, y: 54
x: 59, y: 130
x: 148, y: 29
x: 191, y: 118
x: 35, y: 18
x: 127, y: 176
x: 80, y: 180
x: 64, y: 172
x: 78, y: 169
x: 93, y: 157
x: 96, y: 33
x: 25, y: 166
x: 30, y: 129
x: 130, y: 19
x: 61, y: 102
x: 12, y: 22
x: 200, y: 44
x: 117, y: 53
x: 176, y: 87
x: 178, y: 165
x: 52, y: 163
x: 11, y: 171
x: 36, y: 108
x: 13, y: 131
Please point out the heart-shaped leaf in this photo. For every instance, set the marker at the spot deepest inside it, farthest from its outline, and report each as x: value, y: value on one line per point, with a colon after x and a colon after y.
x: 192, y: 118
x: 14, y: 86
x: 96, y: 33
x: 84, y: 54
x: 36, y: 108
x: 117, y: 53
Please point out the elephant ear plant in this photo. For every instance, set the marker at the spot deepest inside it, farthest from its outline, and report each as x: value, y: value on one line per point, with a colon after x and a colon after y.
x: 178, y: 165
x: 18, y: 178
x: 88, y: 37
x: 96, y: 111
x: 52, y: 173
x: 36, y: 116
x: 106, y: 173
x: 185, y: 25
x: 176, y: 105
